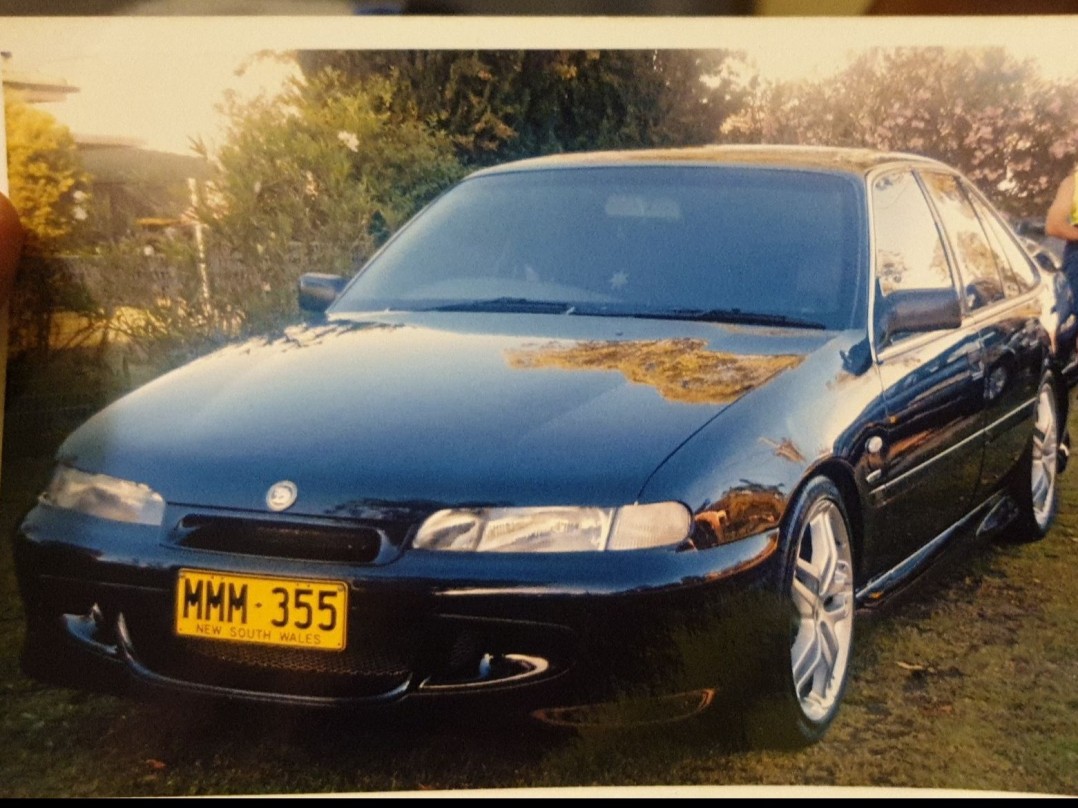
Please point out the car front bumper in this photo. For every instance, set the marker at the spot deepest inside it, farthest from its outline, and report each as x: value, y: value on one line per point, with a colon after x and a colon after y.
x: 540, y: 632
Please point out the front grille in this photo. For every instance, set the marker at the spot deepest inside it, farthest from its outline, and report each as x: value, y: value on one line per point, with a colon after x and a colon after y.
x: 352, y: 544
x: 369, y: 662
x: 373, y: 664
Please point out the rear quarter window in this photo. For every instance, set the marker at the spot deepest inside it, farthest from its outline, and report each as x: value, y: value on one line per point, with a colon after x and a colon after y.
x: 1015, y: 263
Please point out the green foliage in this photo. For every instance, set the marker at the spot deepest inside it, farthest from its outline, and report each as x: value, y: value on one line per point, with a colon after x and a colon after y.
x: 996, y: 119
x: 46, y: 188
x: 500, y: 105
x: 151, y: 299
x: 312, y: 180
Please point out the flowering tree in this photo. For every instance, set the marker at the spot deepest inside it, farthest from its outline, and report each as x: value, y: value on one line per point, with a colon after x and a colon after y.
x: 995, y: 118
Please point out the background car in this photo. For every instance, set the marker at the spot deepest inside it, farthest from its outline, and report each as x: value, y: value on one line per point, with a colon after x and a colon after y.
x: 1044, y: 257
x: 1047, y: 250
x: 608, y: 437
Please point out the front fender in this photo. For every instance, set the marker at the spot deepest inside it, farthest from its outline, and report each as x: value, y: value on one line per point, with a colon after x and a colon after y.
x: 739, y: 473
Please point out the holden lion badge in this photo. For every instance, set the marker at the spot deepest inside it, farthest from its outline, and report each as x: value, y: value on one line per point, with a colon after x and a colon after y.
x: 281, y: 495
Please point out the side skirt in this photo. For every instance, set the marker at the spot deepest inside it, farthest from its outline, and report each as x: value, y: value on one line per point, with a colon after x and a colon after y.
x: 994, y: 513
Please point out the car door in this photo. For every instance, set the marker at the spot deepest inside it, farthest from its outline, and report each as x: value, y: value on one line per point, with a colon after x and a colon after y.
x: 1008, y: 319
x: 929, y: 459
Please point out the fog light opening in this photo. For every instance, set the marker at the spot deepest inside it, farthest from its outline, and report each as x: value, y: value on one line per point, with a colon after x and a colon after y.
x: 491, y: 669
x: 93, y: 630
x: 506, y: 667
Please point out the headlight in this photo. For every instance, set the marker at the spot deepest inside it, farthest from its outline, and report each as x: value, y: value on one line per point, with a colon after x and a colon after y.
x: 104, y: 496
x: 555, y: 529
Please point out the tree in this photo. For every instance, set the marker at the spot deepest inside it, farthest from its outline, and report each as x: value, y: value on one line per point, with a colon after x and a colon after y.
x: 995, y: 118
x: 47, y: 189
x: 45, y: 175
x: 501, y: 105
x: 312, y: 180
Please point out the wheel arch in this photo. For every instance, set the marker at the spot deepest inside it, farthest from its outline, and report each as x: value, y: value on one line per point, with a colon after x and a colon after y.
x: 1062, y: 392
x: 841, y: 475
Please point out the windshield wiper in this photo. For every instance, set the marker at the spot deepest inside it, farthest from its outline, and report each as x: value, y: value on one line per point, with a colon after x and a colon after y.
x: 729, y: 316
x: 529, y: 306
x: 508, y: 304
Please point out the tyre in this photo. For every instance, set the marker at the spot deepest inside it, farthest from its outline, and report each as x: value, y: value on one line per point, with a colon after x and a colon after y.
x: 811, y: 653
x: 1037, y: 491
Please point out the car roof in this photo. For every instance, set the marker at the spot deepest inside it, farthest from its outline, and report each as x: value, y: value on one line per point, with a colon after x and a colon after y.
x: 818, y: 158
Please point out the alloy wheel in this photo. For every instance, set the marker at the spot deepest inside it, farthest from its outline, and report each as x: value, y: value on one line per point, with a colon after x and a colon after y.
x: 822, y: 592
x: 1045, y: 458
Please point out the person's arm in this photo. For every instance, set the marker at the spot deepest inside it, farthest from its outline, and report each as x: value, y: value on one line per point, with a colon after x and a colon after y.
x: 1057, y: 223
x: 11, y: 236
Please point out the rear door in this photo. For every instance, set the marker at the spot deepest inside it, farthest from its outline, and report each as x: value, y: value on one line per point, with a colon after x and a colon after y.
x: 1008, y: 320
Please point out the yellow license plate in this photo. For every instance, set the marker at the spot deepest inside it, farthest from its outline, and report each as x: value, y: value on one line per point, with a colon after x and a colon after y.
x: 296, y: 613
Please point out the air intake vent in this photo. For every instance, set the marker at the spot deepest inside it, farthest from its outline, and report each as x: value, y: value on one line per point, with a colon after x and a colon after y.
x: 352, y: 544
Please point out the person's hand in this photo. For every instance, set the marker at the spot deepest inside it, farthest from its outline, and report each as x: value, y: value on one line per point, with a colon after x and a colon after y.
x: 11, y: 237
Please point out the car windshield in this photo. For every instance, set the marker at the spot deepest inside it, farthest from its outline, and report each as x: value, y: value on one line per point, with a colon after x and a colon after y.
x: 736, y: 244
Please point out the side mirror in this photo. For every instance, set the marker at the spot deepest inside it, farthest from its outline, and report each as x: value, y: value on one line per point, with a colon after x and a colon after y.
x: 318, y: 289
x: 919, y: 311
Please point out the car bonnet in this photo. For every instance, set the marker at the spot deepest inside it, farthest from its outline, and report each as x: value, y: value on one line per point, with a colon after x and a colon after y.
x: 437, y: 408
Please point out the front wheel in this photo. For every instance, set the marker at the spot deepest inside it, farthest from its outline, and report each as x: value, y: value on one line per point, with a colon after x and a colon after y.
x: 812, y: 656
x: 1037, y: 492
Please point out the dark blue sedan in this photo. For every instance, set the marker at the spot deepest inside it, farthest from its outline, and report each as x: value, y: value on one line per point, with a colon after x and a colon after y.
x: 604, y: 437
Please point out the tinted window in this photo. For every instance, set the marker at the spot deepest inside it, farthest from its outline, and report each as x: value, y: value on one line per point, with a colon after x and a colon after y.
x: 981, y: 282
x: 909, y: 253
x: 633, y: 238
x: 1010, y: 283
x: 1015, y: 263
